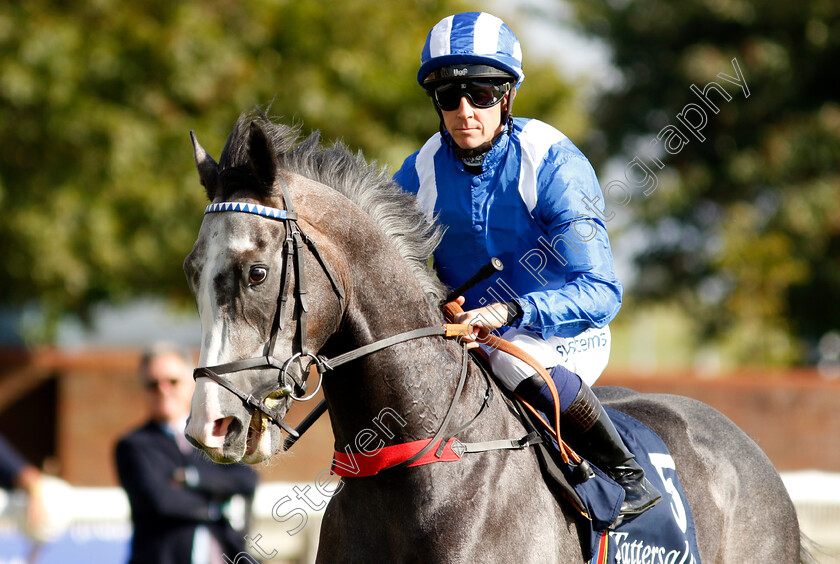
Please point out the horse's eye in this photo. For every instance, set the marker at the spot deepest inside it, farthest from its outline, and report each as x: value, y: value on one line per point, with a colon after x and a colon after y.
x: 257, y: 275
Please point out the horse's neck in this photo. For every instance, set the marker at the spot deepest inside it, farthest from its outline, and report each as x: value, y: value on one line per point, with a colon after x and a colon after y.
x: 414, y: 381
x: 404, y: 393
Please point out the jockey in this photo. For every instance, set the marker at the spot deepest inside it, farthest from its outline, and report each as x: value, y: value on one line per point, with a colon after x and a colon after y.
x: 519, y: 190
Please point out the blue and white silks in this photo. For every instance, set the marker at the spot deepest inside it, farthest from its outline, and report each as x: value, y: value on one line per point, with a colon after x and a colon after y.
x: 537, y: 206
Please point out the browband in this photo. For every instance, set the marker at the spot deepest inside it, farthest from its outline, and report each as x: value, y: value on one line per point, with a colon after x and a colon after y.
x: 256, y: 209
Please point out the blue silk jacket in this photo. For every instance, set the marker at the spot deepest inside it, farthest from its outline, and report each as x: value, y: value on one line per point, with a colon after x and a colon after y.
x: 538, y: 207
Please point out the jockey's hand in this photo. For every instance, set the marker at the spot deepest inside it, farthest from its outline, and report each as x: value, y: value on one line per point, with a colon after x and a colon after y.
x: 489, y: 317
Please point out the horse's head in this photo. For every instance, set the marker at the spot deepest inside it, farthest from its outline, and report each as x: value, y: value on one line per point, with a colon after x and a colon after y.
x: 245, y: 265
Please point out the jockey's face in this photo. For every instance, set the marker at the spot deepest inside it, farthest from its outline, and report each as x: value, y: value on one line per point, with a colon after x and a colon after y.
x: 470, y: 127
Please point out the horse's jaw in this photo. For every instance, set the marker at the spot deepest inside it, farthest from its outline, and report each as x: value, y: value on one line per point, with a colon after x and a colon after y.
x: 262, y: 440
x: 221, y: 426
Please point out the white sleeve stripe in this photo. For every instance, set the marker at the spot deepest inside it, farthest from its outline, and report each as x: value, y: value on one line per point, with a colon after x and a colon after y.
x: 425, y: 167
x: 536, y: 139
x: 441, y: 34
x: 486, y: 34
x: 528, y: 179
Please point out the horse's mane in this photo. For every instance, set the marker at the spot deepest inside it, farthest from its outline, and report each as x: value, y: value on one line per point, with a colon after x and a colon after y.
x: 370, y: 187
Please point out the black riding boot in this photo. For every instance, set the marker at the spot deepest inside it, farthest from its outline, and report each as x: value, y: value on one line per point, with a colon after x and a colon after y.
x: 588, y: 429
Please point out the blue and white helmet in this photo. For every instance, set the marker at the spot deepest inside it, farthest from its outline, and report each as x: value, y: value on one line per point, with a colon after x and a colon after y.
x: 471, y: 38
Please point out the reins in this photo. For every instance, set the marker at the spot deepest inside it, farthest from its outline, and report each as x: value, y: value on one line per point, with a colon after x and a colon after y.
x: 495, y: 342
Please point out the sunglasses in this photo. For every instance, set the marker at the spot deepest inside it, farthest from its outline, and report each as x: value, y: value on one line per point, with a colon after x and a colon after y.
x: 158, y: 384
x: 481, y: 94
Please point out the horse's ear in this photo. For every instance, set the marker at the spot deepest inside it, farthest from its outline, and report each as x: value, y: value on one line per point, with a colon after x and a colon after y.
x: 208, y: 171
x: 260, y: 155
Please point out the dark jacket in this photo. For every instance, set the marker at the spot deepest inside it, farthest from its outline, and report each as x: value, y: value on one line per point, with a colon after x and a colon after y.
x: 166, y: 512
x: 11, y: 464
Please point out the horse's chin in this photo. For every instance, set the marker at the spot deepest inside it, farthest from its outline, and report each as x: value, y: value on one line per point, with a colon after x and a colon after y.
x: 262, y: 440
x: 258, y: 443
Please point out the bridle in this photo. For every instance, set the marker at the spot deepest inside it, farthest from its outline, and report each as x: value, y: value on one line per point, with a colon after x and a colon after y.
x: 296, y: 390
x: 293, y: 253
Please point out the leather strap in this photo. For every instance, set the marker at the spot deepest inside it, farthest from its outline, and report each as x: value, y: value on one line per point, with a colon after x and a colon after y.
x: 528, y: 440
x: 248, y: 400
x: 450, y: 309
x: 313, y: 248
x: 331, y: 363
x: 434, y: 330
x: 488, y: 396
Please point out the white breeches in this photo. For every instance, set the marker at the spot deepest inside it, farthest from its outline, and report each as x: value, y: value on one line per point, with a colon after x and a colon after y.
x: 585, y: 354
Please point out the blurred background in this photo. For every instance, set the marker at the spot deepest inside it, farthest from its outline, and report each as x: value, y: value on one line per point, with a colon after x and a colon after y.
x: 728, y: 243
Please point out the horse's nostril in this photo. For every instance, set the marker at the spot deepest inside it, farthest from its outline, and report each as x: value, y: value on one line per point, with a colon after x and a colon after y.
x: 194, y: 442
x: 221, y: 426
x: 226, y: 426
x: 215, y: 435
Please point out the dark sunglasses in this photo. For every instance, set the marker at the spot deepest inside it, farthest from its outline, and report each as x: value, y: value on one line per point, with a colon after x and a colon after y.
x: 481, y: 94
x: 157, y: 384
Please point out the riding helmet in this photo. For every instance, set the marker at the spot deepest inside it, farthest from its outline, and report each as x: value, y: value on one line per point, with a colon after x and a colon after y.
x: 470, y: 45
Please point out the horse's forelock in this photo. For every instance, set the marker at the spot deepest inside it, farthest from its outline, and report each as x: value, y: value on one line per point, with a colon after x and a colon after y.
x: 367, y: 185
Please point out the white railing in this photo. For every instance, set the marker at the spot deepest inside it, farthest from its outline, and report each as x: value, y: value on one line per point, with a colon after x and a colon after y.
x: 817, y: 499
x: 287, y: 516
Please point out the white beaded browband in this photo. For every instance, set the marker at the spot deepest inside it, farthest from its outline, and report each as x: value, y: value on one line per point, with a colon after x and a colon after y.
x: 256, y: 209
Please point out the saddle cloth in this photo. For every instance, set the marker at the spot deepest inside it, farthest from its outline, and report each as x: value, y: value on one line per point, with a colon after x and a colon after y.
x: 663, y: 534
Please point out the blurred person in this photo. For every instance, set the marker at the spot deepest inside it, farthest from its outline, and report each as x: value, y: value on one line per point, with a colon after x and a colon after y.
x: 182, y: 503
x: 520, y: 190
x: 17, y: 473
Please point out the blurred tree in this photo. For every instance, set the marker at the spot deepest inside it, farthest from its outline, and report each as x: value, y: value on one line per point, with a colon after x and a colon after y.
x: 98, y: 188
x: 743, y: 228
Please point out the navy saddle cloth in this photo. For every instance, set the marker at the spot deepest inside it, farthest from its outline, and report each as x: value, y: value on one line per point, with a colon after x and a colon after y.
x: 663, y: 534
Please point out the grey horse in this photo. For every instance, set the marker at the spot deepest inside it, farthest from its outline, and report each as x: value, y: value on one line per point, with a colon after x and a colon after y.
x: 368, y: 280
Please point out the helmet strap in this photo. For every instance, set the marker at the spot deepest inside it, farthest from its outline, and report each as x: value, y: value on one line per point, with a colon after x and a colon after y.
x: 507, y: 115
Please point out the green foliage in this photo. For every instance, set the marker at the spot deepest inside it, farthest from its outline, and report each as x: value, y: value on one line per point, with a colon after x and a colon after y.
x: 99, y: 192
x: 744, y: 229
